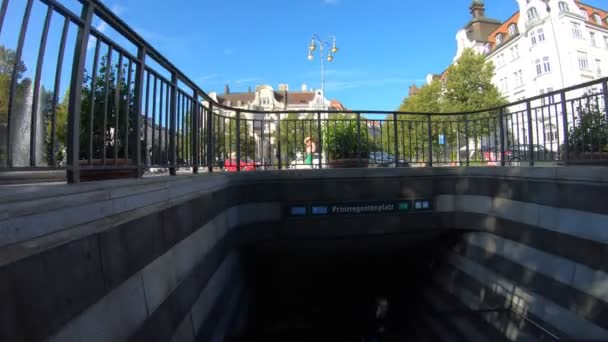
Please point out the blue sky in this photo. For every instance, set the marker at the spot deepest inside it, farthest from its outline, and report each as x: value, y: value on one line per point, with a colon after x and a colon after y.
x: 385, y: 45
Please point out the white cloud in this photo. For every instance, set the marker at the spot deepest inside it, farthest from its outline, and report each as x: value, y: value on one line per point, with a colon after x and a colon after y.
x: 102, y: 26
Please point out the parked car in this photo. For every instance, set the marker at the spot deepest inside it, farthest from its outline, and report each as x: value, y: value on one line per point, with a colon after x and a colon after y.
x: 246, y: 165
x: 521, y: 152
x: 383, y: 159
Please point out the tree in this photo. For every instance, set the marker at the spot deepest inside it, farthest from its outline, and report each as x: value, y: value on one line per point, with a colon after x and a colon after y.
x: 225, y: 133
x: 466, y: 87
x: 590, y: 131
x: 294, y: 128
x: 114, y: 137
x: 8, y: 62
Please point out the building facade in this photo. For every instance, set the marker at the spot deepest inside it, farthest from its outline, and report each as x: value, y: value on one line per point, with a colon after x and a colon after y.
x: 263, y: 126
x: 542, y: 47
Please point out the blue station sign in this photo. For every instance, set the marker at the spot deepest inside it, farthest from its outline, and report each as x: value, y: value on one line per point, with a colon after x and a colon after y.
x: 359, y: 208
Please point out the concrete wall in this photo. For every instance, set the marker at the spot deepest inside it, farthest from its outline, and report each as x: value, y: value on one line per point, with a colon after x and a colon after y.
x: 151, y: 259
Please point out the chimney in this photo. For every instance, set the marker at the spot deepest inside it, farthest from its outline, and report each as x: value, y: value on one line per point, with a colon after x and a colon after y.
x: 226, y: 90
x: 478, y: 9
x: 304, y: 87
x: 283, y: 87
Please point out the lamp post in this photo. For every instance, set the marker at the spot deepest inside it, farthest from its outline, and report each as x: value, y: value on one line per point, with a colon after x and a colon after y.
x: 559, y: 60
x: 322, y: 44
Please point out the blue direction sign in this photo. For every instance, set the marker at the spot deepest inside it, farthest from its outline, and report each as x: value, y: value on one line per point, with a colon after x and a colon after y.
x: 358, y: 208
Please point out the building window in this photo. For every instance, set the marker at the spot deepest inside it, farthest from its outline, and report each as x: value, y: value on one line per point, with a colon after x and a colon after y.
x: 546, y: 65
x: 597, y: 18
x: 584, y: 14
x: 598, y: 64
x: 576, y: 31
x: 549, y: 99
x: 538, y: 36
x: 592, y: 39
x: 563, y: 7
x: 532, y: 13
x: 512, y: 29
x: 487, y: 48
x: 499, y: 38
x: 543, y: 66
x: 583, y: 62
x: 519, y: 79
x: 551, y: 132
x: 504, y: 84
x: 541, y: 35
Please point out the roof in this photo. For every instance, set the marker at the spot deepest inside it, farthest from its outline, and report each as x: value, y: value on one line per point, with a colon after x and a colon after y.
x: 593, y: 10
x: 504, y: 29
x: 514, y: 19
x: 300, y: 97
x: 293, y: 98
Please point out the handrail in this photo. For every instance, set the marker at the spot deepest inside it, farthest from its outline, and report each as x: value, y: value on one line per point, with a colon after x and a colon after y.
x: 159, y: 117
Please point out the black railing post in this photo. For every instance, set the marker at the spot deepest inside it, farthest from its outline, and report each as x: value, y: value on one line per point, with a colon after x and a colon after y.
x: 501, y: 117
x: 194, y: 132
x: 395, y: 134
x: 466, y: 138
x: 75, y: 101
x: 210, y: 134
x: 172, y: 127
x: 319, y: 140
x: 138, y: 88
x: 279, y: 157
x: 359, y: 161
x: 565, y: 133
x: 605, y: 91
x: 238, y: 141
x: 430, y: 140
x: 530, y: 137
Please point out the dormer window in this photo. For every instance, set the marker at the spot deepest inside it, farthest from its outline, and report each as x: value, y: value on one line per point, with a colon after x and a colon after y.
x: 563, y: 7
x: 584, y: 13
x: 597, y: 19
x: 499, y: 38
x: 532, y: 13
x: 512, y: 29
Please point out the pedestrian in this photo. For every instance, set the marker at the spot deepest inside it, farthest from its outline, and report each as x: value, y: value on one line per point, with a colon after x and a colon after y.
x: 311, y: 148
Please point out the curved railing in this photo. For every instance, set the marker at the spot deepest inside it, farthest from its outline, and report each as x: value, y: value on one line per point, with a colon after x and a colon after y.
x: 98, y: 101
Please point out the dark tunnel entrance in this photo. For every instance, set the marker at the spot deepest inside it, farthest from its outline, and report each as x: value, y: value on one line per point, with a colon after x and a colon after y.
x: 320, y: 290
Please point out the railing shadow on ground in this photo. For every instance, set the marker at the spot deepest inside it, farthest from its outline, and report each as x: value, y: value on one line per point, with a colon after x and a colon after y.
x: 126, y: 110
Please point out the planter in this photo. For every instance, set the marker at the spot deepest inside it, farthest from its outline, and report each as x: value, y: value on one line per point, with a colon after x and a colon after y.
x: 121, y: 168
x: 348, y: 163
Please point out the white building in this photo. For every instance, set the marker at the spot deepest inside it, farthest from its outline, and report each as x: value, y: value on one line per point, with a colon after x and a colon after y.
x: 544, y: 46
x: 263, y: 126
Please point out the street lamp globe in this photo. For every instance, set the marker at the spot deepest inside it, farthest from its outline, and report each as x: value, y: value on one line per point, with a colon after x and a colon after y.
x: 312, y: 46
x: 310, y: 56
x: 330, y: 57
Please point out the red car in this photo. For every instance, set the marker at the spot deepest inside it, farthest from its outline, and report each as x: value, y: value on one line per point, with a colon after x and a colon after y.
x: 246, y: 165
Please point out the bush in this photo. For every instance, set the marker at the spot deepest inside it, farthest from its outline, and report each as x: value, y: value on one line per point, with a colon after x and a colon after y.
x: 590, y: 132
x: 340, y: 139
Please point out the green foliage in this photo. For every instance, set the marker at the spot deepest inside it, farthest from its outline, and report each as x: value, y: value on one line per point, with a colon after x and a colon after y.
x: 226, y: 142
x: 294, y: 129
x: 102, y: 99
x: 590, y: 133
x: 341, y: 138
x: 467, y: 87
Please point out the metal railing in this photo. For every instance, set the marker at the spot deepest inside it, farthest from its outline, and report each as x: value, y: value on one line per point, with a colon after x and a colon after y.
x: 101, y: 105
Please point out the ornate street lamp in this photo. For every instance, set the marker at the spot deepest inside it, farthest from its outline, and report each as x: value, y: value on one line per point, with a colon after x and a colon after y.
x: 332, y: 49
